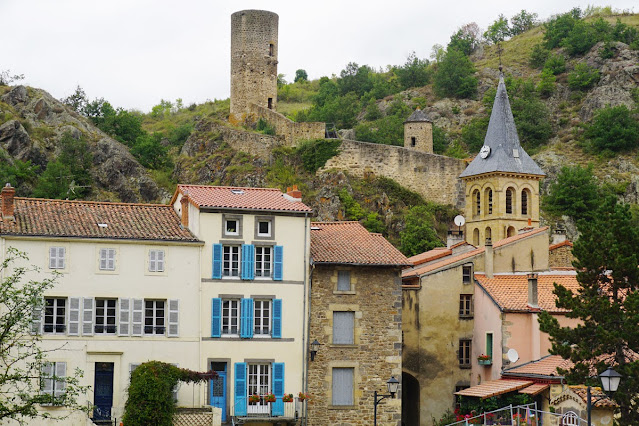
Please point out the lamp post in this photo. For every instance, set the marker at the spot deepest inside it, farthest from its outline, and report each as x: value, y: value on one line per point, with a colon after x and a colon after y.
x: 391, y: 385
x: 609, y: 382
x: 314, y: 348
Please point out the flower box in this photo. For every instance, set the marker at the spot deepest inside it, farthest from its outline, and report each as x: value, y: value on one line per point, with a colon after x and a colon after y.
x: 485, y: 361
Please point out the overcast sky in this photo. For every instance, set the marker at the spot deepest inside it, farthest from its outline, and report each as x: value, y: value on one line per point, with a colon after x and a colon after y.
x: 136, y: 52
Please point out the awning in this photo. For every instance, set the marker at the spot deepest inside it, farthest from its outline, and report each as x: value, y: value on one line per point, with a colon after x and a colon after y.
x: 535, y: 389
x: 494, y: 388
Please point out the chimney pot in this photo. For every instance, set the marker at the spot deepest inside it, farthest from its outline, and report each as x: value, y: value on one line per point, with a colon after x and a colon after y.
x: 293, y: 192
x: 8, y: 193
x: 488, y: 258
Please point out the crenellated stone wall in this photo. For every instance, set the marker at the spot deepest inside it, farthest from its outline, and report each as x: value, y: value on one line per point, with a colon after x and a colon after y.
x: 433, y: 176
x: 291, y: 131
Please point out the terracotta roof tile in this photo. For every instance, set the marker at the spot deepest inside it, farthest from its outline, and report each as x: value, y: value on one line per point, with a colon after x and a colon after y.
x: 510, y: 291
x: 521, y: 236
x: 350, y: 243
x: 546, y: 366
x: 595, y: 393
x: 535, y: 389
x: 430, y: 255
x: 80, y: 219
x: 237, y: 198
x: 494, y: 388
x: 440, y: 264
x: 561, y: 244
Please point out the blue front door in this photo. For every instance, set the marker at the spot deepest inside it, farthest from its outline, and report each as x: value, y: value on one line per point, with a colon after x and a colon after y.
x: 218, y: 392
x: 103, y: 391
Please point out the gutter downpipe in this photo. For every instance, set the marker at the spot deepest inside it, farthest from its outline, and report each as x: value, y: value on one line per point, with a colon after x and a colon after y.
x: 306, y: 326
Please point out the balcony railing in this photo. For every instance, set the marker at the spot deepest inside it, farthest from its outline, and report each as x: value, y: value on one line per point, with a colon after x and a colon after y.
x: 265, y: 410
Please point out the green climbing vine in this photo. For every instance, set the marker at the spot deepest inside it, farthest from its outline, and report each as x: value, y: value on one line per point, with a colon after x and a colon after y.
x: 150, y: 400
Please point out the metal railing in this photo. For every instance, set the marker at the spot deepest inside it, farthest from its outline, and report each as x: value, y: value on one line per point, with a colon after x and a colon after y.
x: 519, y: 415
x: 292, y: 410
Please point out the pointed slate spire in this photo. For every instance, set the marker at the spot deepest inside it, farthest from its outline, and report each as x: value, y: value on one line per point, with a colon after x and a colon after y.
x: 418, y: 116
x: 505, y: 153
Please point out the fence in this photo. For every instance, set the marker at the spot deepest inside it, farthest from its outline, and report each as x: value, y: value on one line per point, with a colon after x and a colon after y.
x: 521, y: 415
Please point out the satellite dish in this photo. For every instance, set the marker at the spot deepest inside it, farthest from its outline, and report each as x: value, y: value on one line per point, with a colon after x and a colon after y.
x: 459, y: 220
x: 513, y: 356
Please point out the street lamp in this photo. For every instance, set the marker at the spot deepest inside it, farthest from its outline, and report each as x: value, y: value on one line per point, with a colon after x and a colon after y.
x: 314, y: 348
x: 609, y: 382
x: 391, y: 385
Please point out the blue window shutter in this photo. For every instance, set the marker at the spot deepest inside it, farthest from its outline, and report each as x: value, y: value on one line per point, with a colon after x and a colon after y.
x: 240, y: 389
x: 278, y: 388
x: 217, y: 261
x: 278, y: 259
x: 246, y: 319
x: 277, y: 319
x: 216, y: 317
x: 248, y: 261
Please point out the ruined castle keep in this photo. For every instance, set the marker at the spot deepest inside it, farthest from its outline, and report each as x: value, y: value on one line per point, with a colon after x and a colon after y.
x: 253, y: 61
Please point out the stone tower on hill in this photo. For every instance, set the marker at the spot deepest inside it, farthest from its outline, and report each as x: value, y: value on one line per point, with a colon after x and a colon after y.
x: 253, y: 61
x: 418, y: 132
x: 502, y: 182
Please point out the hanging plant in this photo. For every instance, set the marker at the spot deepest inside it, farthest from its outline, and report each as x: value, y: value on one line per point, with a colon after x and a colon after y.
x: 287, y: 397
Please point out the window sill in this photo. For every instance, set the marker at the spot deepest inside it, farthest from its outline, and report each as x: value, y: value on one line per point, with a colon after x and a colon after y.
x: 344, y: 292
x: 343, y: 346
x: 466, y: 317
x: 343, y: 407
x: 465, y: 366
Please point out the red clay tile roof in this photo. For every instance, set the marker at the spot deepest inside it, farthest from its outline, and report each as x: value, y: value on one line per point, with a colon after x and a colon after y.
x: 411, y: 272
x: 595, y: 393
x: 510, y: 291
x: 494, y: 388
x: 521, y: 236
x: 546, y: 366
x: 237, y: 198
x: 561, y: 244
x: 535, y: 389
x: 430, y: 255
x: 350, y: 243
x: 80, y: 219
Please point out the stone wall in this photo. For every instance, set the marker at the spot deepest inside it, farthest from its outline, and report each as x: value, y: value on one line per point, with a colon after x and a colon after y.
x: 253, y: 61
x: 291, y: 131
x: 375, y: 355
x: 560, y: 255
x: 435, y: 177
x: 422, y: 131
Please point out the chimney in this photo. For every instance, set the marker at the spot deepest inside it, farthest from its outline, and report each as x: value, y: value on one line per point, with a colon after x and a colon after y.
x: 488, y: 258
x: 532, y: 290
x: 559, y: 236
x: 293, y: 193
x: 454, y: 237
x: 184, y: 201
x: 8, y: 193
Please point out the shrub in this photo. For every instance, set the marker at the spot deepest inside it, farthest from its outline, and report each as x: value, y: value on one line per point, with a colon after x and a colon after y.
x: 555, y: 63
x: 264, y: 127
x: 455, y: 76
x: 580, y: 38
x: 474, y: 133
x: 440, y: 140
x: 315, y: 153
x: 613, y: 129
x: 533, y: 121
x: 419, y: 235
x: 538, y: 56
x: 583, y: 77
x: 546, y: 86
x: 558, y: 28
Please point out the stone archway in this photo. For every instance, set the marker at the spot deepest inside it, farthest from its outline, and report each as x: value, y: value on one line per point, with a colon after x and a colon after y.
x: 410, y: 399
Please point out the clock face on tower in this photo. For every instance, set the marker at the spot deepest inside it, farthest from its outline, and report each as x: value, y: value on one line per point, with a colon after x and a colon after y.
x: 484, y: 152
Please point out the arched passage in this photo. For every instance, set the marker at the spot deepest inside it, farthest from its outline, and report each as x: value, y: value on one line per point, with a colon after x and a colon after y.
x: 511, y: 231
x: 410, y: 399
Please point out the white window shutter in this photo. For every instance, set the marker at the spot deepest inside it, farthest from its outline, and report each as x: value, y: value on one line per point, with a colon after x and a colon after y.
x: 174, y: 314
x: 88, y: 305
x: 111, y: 259
x: 60, y: 383
x: 53, y: 263
x: 74, y: 316
x: 152, y: 261
x: 125, y: 317
x: 103, y: 259
x: 46, y: 378
x: 61, y: 257
x: 36, y: 319
x: 138, y: 317
x: 160, y: 261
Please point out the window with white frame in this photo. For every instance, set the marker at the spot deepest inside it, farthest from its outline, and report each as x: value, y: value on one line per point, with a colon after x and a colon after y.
x: 263, y: 261
x: 343, y: 328
x: 264, y: 228
x: 55, y: 310
x: 231, y: 227
x: 259, y: 381
x: 343, y: 386
x: 262, y: 317
x: 57, y: 257
x: 231, y: 261
x: 154, y: 316
x: 156, y: 260
x: 53, y: 381
x: 343, y: 280
x: 231, y: 316
x: 105, y: 313
x: 107, y: 259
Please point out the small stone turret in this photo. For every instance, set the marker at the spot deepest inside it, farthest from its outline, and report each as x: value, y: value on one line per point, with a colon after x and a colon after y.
x: 253, y: 61
x: 418, y: 132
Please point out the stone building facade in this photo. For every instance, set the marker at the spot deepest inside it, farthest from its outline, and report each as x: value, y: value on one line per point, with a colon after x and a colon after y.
x: 356, y: 315
x: 560, y: 255
x: 253, y: 61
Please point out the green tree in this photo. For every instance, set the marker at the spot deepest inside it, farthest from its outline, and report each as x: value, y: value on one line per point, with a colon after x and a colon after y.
x: 546, y: 85
x: 606, y: 305
x: 419, y: 235
x: 21, y: 174
x: 414, y: 73
x: 583, y: 77
x: 580, y: 39
x: 538, y: 56
x: 24, y: 362
x: 558, y: 28
x: 555, y: 63
x: 466, y: 39
x: 151, y: 152
x: 498, y: 30
x: 300, y: 75
x: 6, y: 78
x: 356, y: 79
x: 575, y: 193
x: 474, y: 133
x: 613, y: 129
x: 455, y: 76
x: 521, y: 22
x: 77, y: 101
